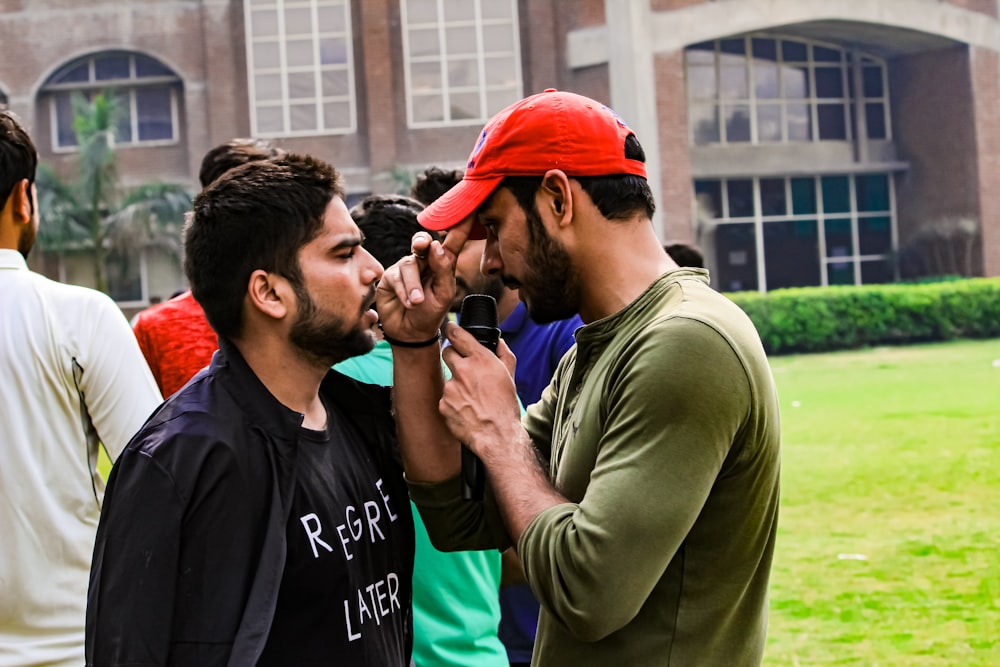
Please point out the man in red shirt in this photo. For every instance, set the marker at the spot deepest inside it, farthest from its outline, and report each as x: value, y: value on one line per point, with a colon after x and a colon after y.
x: 174, y: 336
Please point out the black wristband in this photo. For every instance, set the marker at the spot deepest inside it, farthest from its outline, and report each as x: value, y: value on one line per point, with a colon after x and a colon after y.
x: 405, y: 343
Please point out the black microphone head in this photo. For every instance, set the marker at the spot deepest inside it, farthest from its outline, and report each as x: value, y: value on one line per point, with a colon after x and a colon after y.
x: 478, y: 310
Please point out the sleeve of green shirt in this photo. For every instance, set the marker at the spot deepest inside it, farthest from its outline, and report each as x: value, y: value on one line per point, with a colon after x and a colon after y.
x: 669, y: 410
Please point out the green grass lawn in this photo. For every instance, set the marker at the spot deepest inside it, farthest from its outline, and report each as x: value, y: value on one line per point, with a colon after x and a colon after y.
x: 889, y: 538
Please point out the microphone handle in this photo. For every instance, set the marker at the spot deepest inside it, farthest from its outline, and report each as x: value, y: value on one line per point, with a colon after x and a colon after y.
x: 473, y: 471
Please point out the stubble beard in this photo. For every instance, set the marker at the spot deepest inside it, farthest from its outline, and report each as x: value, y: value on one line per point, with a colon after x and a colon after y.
x: 326, y: 339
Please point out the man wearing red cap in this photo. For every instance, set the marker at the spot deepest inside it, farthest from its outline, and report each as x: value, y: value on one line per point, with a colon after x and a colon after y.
x: 641, y: 491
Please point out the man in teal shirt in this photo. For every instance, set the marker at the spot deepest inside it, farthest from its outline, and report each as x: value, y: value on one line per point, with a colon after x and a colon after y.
x: 456, y: 606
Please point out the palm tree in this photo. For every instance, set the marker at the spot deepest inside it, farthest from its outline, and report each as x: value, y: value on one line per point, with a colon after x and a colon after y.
x: 93, y: 211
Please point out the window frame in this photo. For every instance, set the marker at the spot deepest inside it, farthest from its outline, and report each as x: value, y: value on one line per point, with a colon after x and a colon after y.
x: 445, y: 89
x: 283, y: 70
x: 124, y: 88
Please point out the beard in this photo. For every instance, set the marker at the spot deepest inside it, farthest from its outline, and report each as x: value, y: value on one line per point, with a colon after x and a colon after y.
x: 550, y: 285
x: 326, y: 339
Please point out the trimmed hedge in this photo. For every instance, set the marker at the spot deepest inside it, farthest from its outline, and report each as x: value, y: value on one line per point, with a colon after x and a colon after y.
x: 819, y: 319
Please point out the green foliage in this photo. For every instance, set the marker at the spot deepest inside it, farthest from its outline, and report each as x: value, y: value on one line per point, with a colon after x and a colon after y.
x: 93, y: 211
x: 816, y: 319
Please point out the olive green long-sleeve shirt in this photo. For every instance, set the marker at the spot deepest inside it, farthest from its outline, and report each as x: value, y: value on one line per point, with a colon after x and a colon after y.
x: 662, y: 430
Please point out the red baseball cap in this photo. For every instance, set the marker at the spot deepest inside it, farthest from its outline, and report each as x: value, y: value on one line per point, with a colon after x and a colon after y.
x: 550, y: 130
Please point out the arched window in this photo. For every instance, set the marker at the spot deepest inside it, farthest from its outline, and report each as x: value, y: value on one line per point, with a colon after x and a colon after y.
x: 3, y: 98
x: 147, y: 89
x: 762, y: 89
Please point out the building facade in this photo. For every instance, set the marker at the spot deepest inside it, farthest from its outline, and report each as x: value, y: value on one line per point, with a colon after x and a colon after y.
x: 798, y: 142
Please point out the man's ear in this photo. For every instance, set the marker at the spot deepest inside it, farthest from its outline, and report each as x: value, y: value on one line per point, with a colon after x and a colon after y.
x: 556, y: 196
x: 22, y: 205
x: 269, y: 293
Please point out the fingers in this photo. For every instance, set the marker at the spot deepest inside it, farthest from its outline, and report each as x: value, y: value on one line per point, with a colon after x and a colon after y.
x: 458, y: 235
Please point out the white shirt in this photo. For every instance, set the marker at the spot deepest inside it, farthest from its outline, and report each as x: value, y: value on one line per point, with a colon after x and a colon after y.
x: 68, y: 363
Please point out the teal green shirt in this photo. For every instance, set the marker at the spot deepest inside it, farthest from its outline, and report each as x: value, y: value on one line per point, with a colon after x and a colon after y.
x: 456, y: 605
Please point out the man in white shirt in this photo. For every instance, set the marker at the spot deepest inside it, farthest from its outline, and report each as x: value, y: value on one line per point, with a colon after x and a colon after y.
x: 73, y: 377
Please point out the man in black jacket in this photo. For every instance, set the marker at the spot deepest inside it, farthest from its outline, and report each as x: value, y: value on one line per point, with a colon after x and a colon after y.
x: 260, y: 516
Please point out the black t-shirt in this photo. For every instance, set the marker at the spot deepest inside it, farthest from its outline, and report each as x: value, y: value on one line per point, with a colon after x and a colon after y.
x: 345, y: 596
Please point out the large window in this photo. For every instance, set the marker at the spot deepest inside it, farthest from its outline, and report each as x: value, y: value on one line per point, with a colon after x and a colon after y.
x: 301, y: 67
x: 147, y: 91
x: 799, y: 231
x: 462, y: 60
x: 763, y: 89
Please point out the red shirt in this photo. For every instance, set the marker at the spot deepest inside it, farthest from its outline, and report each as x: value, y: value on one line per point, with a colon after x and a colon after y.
x: 176, y: 340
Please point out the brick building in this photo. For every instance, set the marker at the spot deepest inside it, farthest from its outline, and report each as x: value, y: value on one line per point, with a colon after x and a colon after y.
x: 799, y: 142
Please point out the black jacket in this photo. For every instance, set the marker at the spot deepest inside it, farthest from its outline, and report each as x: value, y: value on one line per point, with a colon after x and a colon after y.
x: 191, y: 543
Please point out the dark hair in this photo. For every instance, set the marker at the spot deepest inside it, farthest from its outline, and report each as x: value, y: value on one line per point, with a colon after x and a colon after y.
x: 685, y: 254
x: 233, y: 153
x: 255, y: 216
x: 18, y: 157
x: 388, y: 223
x: 616, y: 196
x: 433, y: 183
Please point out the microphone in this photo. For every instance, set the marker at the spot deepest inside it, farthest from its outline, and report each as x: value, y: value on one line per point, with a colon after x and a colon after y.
x: 479, y: 317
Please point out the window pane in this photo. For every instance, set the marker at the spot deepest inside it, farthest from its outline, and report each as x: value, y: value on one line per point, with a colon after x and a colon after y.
x: 299, y: 53
x: 336, y: 115
x: 829, y: 82
x: 501, y: 71
x: 872, y: 192
x: 266, y: 55
x: 501, y: 99
x: 765, y: 80
x: 840, y: 273
x: 463, y: 73
x: 831, y: 121
x: 76, y: 74
x: 734, y: 79
x: 459, y: 10
x: 764, y: 49
x: 704, y: 119
x: 708, y: 195
x: 875, y: 235
x: 735, y: 46
x: 876, y: 271
x: 460, y: 41
x: 738, y: 123
x: 65, y: 134
x: 303, y: 117
x: 740, y: 193
x: 803, y: 196
x: 428, y: 108
x: 736, y: 257
x: 498, y: 38
x: 465, y: 105
x: 146, y: 66
x: 768, y: 122
x: 123, y: 130
x: 494, y: 9
x: 267, y: 87
x: 335, y: 83
x: 424, y: 43
x: 799, y: 122
x: 836, y: 194
x: 791, y: 254
x: 332, y: 19
x: 298, y: 21
x: 772, y: 196
x: 822, y: 54
x: 701, y: 82
x: 155, y: 113
x: 837, y: 234
x: 113, y: 66
x: 332, y: 51
x: 875, y: 121
x: 270, y: 120
x: 872, y: 77
x: 301, y: 84
x: 425, y: 76
x: 794, y: 52
x: 264, y: 23
x: 796, y: 82
x: 421, y: 11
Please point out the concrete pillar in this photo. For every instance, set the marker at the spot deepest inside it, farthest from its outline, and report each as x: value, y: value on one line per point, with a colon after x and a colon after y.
x: 633, y: 83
